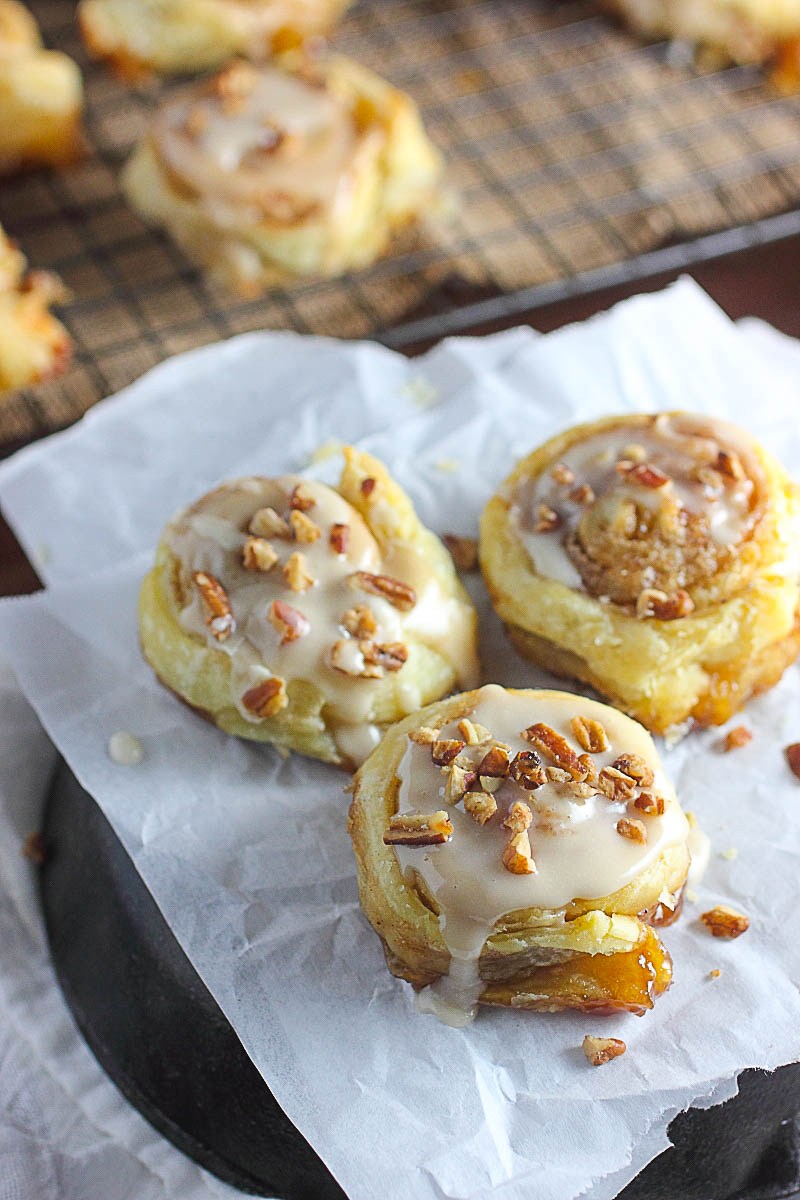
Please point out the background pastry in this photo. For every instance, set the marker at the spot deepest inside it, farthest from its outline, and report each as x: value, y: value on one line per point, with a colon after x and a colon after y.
x: 654, y: 557
x: 41, y: 96
x: 33, y: 344
x: 184, y: 36
x: 264, y: 173
x: 291, y: 613
x: 515, y: 848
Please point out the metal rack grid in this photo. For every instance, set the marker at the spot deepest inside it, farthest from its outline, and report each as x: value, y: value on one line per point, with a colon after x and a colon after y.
x: 579, y: 158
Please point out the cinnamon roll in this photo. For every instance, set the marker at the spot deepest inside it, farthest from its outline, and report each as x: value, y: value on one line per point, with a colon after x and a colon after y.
x: 175, y: 37
x: 265, y: 173
x: 518, y: 848
x: 654, y: 557
x: 289, y: 612
x: 41, y: 97
x: 33, y: 344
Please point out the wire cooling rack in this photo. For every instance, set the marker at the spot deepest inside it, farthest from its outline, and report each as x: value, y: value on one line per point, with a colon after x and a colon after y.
x: 579, y: 158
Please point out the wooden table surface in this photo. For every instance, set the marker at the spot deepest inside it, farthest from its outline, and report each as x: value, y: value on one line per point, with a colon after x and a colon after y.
x: 762, y: 282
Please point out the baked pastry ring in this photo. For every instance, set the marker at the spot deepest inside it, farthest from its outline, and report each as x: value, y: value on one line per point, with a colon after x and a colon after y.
x: 41, y: 97
x: 516, y: 848
x: 265, y: 173
x: 33, y: 344
x: 290, y: 613
x: 176, y: 37
x: 654, y: 557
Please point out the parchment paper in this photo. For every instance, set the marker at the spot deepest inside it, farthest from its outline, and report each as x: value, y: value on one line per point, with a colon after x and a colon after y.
x: 247, y: 854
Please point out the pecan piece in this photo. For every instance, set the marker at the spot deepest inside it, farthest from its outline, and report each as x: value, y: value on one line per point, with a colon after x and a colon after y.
x: 297, y: 574
x: 558, y: 775
x: 793, y: 758
x: 590, y: 767
x: 562, y: 474
x: 266, y: 699
x: 219, y: 614
x: 457, y: 781
x: 419, y: 829
x: 367, y: 487
x: 635, y: 766
x: 359, y: 621
x: 738, y: 737
x: 590, y: 735
x: 289, y: 622
x: 616, y: 784
x: 394, y: 590
x: 526, y: 770
x: 391, y: 656
x: 555, y: 747
x: 463, y: 550
x: 725, y: 922
x: 339, y: 537
x: 495, y: 763
x: 583, y: 494
x: 301, y: 499
x: 424, y: 736
x: 517, y: 856
x: 634, y: 831
x: 304, y: 529
x: 652, y: 806
x: 655, y: 603
x: 729, y: 465
x: 473, y: 735
x: 645, y: 474
x: 348, y: 658
x: 480, y: 806
x: 267, y: 523
x: 547, y: 519
x: 446, y: 750
x: 258, y: 555
x: 519, y: 817
x: 600, y: 1050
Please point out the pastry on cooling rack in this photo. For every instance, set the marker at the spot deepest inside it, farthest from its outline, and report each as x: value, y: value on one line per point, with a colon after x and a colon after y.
x: 264, y: 173
x: 654, y: 557
x: 41, y: 97
x: 33, y: 344
x: 184, y: 36
x: 290, y: 612
x: 517, y: 848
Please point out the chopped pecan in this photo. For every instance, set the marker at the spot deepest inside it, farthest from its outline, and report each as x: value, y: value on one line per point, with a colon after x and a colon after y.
x: 424, y: 736
x: 562, y: 474
x: 590, y: 735
x: 634, y: 452
x: 367, y: 487
x: 266, y: 699
x: 590, y: 767
x: 738, y: 737
x: 616, y: 784
x: 635, y: 766
x: 457, y: 781
x: 581, y: 791
x: 473, y: 735
x: 583, y: 494
x: 793, y: 758
x: 391, y: 656
x: 289, y: 622
x: 730, y: 465
x: 339, y: 537
x: 495, y: 763
x: 394, y: 590
x: 464, y: 551
x: 653, y: 806
x: 304, y: 529
x: 558, y: 775
x: 480, y: 806
x: 725, y: 922
x: 526, y: 770
x: 645, y: 474
x: 359, y: 621
x: 517, y: 856
x: 600, y: 1050
x: 446, y: 750
x: 35, y: 849
x: 547, y: 519
x: 301, y: 499
x: 490, y: 783
x: 519, y: 817
x: 634, y: 831
x: 258, y: 555
x: 219, y: 614
x: 297, y: 574
x: 711, y: 480
x: 267, y: 523
x: 347, y: 657
x: 655, y: 603
x: 555, y: 747
x: 419, y: 829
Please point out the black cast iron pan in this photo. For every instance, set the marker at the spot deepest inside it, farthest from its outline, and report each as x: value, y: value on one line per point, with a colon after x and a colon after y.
x: 158, y: 1033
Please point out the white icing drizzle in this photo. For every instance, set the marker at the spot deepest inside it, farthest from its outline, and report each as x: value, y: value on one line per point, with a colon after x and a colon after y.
x: 575, y: 844
x: 210, y: 536
x: 676, y: 445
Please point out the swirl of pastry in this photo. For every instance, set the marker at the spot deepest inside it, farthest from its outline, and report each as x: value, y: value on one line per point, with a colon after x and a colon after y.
x: 292, y: 613
x: 33, y: 344
x: 177, y: 37
x: 654, y: 557
x: 268, y: 172
x: 41, y: 97
x: 517, y: 848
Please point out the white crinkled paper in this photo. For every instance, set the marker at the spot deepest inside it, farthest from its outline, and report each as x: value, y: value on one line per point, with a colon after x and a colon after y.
x: 247, y: 854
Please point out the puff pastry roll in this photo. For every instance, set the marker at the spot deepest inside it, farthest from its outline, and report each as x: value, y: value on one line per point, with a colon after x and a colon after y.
x: 517, y: 848
x: 289, y: 612
x: 41, y: 97
x: 265, y: 173
x: 175, y: 37
x: 33, y: 344
x: 654, y: 557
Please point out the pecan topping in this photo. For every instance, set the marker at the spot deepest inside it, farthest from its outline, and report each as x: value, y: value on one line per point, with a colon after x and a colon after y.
x: 558, y: 775
x: 348, y: 658
x: 301, y: 499
x: 289, y: 622
x: 634, y: 831
x: 711, y: 480
x: 267, y: 523
x: 555, y: 747
x: 738, y: 737
x: 304, y: 529
x: 394, y: 590
x: 793, y: 758
x: 653, y: 806
x: 490, y: 783
x: 600, y: 1050
x: 518, y: 817
x: 389, y: 655
x: 473, y: 735
x: 258, y: 555
x: 590, y: 767
x: 464, y: 551
x: 562, y: 474
x: 219, y: 614
x: 581, y: 791
x: 419, y: 829
x: 359, y: 621
x: 266, y: 699
x: 495, y: 763
x: 547, y: 519
x: 654, y: 603
x: 645, y: 474
x: 729, y: 465
x: 457, y: 781
x: 446, y: 750
x: 583, y: 494
x: 517, y: 855
x: 616, y: 784
x: 590, y: 735
x: 635, y: 766
x: 35, y: 850
x: 725, y: 922
x: 339, y: 537
x: 480, y: 806
x: 526, y: 769
x: 297, y: 574
x: 424, y: 736
x: 368, y: 487
x: 634, y: 452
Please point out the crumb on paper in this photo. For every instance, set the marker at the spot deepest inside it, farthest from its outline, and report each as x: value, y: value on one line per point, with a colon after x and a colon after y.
x: 793, y: 758
x: 34, y: 848
x: 600, y: 1050
x: 715, y: 974
x: 421, y: 393
x: 325, y: 451
x: 736, y: 738
x: 730, y: 854
x: 725, y: 922
x: 447, y: 466
x: 124, y: 749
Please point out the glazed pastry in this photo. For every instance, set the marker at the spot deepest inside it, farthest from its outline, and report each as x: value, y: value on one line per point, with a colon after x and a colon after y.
x: 654, y: 557
x: 517, y: 848
x: 33, y: 344
x: 41, y: 96
x: 266, y: 173
x: 289, y: 612
x: 185, y: 36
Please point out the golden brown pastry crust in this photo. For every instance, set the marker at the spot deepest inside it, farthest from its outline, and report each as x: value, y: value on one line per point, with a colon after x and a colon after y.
x: 33, y: 344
